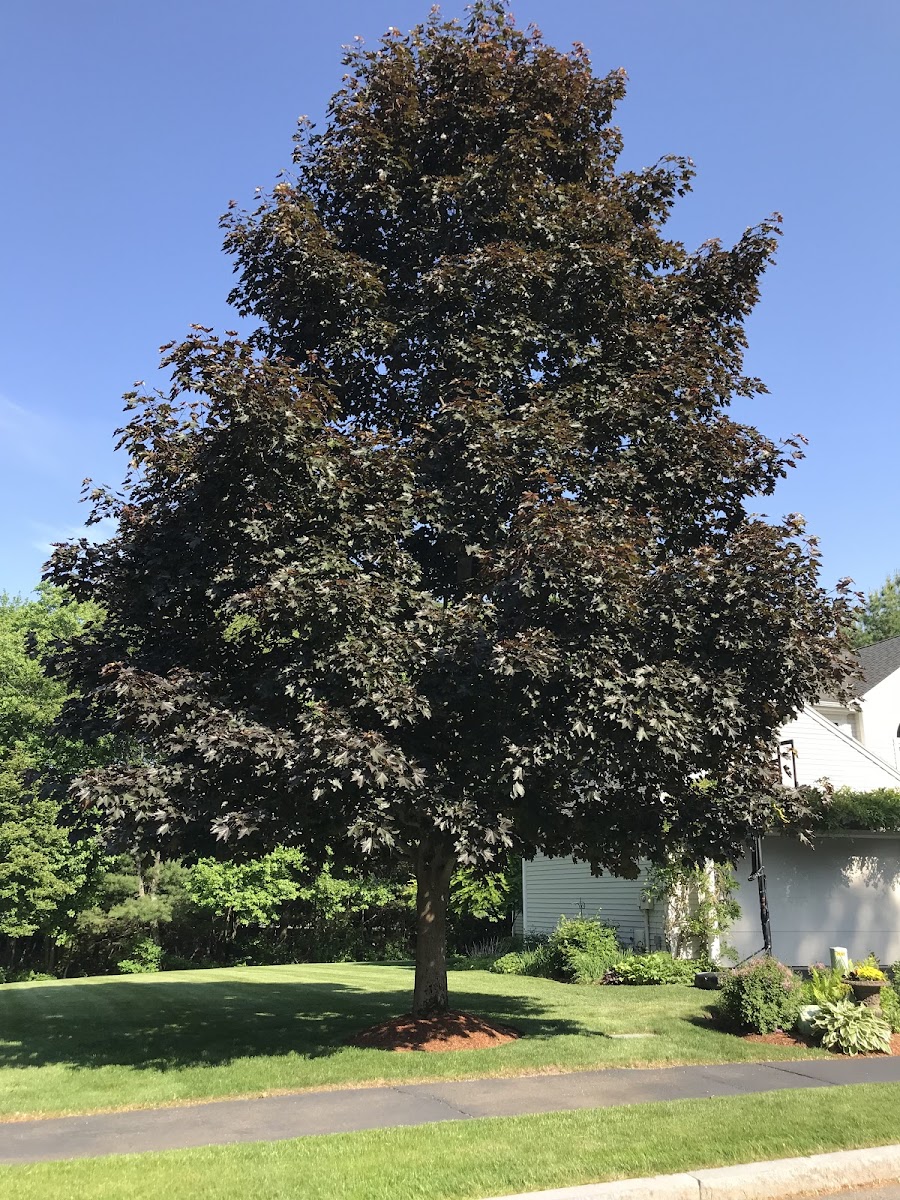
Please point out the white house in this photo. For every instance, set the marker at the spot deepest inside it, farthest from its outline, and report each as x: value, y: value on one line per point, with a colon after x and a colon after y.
x: 844, y: 890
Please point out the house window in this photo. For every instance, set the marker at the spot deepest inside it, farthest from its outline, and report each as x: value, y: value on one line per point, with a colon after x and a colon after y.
x: 843, y: 718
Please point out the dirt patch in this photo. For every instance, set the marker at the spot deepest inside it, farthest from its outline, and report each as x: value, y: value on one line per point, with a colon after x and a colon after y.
x: 449, y: 1031
x: 787, y: 1039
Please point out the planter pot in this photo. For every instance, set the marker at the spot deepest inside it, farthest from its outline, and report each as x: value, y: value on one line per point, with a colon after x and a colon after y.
x: 867, y: 991
x: 709, y: 980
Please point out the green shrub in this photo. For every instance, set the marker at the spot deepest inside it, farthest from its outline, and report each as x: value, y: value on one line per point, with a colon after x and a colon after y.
x: 657, y: 968
x: 587, y: 966
x: 581, y: 948
x: 827, y: 985
x: 523, y: 962
x: 890, y: 1008
x: 759, y: 997
x: 540, y: 961
x: 146, y: 956
x: 24, y: 976
x: 176, y: 962
x: 852, y: 1028
x: 512, y: 963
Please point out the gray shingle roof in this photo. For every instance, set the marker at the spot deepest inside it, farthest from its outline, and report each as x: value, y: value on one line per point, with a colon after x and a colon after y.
x: 878, y: 661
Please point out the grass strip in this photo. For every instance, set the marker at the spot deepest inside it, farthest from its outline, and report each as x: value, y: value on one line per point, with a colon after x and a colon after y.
x: 469, y: 1159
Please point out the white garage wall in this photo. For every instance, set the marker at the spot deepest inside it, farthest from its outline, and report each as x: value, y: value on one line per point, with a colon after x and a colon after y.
x: 844, y: 891
x: 555, y: 887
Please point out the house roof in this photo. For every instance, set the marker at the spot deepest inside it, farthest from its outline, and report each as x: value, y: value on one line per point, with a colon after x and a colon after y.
x: 878, y: 661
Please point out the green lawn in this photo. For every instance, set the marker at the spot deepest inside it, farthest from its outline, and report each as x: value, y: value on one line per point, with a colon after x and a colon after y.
x: 137, y: 1041
x: 462, y: 1160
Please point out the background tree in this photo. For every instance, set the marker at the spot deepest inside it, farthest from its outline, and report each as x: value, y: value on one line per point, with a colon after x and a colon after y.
x: 879, y: 617
x: 45, y: 865
x: 454, y: 554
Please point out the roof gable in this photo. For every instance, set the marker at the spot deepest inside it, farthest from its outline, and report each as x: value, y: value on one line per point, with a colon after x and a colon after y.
x: 878, y: 661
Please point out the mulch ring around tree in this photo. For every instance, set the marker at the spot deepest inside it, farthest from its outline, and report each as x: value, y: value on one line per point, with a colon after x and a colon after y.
x: 446, y: 1031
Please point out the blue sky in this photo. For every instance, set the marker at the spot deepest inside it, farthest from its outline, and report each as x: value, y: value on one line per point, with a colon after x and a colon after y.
x: 128, y: 127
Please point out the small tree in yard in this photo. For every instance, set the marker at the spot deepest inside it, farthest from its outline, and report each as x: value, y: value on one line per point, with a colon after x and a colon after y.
x: 453, y: 554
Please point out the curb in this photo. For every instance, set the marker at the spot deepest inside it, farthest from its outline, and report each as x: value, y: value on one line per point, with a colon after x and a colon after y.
x: 778, y: 1180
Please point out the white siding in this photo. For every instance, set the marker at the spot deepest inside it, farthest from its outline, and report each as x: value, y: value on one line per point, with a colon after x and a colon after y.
x: 842, y: 891
x: 881, y: 718
x: 556, y: 887
x: 822, y: 751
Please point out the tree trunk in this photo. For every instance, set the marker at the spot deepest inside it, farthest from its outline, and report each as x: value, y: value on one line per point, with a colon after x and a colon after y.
x: 433, y: 871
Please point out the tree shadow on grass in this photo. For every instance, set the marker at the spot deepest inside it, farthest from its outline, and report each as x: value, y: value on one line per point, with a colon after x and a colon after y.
x: 171, y: 1022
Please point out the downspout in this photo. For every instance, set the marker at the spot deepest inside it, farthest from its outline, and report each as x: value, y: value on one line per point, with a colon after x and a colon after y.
x: 524, y: 901
x: 758, y: 872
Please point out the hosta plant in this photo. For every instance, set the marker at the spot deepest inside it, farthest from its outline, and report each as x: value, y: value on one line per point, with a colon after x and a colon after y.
x: 852, y: 1028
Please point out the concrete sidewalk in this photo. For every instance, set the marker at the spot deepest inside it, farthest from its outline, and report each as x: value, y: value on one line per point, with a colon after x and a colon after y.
x: 300, y: 1114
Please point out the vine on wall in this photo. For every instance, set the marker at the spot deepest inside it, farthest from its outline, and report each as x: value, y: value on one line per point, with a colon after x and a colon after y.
x: 699, y: 904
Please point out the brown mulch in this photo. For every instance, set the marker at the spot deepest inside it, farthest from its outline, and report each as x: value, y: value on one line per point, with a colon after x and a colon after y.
x: 778, y: 1038
x: 449, y: 1031
x: 787, y: 1039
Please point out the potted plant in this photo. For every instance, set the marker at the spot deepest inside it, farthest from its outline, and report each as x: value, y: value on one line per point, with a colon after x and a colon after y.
x: 866, y: 980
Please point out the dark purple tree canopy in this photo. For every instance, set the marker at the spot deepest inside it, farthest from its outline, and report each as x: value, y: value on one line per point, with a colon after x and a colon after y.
x: 457, y: 550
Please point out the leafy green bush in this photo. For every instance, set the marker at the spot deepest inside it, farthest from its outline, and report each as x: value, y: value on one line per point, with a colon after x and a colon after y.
x: 145, y: 957
x: 878, y: 810
x: 852, y: 1028
x: 587, y: 966
x: 540, y: 961
x: 759, y: 997
x: 512, y: 963
x: 657, y: 968
x: 581, y: 949
x: 890, y: 1008
x: 23, y: 976
x: 827, y: 985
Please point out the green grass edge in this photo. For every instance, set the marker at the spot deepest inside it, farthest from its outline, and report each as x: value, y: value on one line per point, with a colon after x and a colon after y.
x: 468, y: 1160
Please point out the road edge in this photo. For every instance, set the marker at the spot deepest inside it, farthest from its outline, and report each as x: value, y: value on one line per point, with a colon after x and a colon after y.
x: 778, y: 1179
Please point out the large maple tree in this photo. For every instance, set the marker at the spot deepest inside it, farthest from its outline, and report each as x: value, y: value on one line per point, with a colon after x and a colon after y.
x: 455, y: 553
